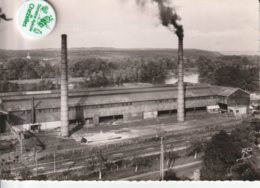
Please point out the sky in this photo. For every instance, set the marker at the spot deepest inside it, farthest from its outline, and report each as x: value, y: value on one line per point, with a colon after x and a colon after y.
x: 216, y: 25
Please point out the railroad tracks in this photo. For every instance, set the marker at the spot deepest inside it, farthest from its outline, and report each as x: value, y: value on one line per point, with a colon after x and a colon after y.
x: 172, y: 143
x: 77, y: 158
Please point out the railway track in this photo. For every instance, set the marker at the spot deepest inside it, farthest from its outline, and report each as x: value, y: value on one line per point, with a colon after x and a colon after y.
x: 73, y: 158
x: 131, y: 141
x: 78, y: 162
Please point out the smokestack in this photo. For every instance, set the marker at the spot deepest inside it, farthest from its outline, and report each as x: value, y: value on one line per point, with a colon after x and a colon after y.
x: 33, y: 112
x: 180, y: 101
x: 64, y: 114
x: 169, y: 18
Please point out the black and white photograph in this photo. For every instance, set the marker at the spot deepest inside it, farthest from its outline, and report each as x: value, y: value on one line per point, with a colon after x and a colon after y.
x: 129, y: 90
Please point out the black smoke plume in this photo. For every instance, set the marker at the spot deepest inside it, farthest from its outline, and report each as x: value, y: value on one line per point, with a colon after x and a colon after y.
x: 168, y: 15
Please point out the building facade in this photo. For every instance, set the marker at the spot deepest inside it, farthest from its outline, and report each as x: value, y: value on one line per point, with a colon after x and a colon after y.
x: 129, y: 104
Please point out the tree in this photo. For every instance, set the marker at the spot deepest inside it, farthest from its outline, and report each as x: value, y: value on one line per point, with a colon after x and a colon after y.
x: 139, y: 161
x: 98, y: 161
x: 101, y: 161
x: 233, y: 71
x: 223, y: 155
x: 171, y: 175
x: 5, y: 171
x: 220, y: 154
x: 25, y: 173
x: 197, y: 146
x: 171, y: 157
x: 244, y: 170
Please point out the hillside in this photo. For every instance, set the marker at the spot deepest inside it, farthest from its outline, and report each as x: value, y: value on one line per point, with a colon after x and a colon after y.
x: 111, y: 54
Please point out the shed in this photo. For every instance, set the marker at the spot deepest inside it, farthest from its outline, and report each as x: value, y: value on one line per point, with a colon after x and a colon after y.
x: 213, y: 109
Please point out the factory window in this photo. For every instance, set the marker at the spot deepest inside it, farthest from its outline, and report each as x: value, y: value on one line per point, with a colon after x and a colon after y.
x: 222, y: 98
x: 46, y: 110
x: 115, y: 105
x: 127, y: 104
x: 91, y: 107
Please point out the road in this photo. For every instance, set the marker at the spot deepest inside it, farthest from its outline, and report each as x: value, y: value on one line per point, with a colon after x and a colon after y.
x: 181, y: 170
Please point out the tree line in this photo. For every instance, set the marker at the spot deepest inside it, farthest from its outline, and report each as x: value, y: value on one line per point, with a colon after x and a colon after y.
x: 103, y: 73
x: 97, y: 72
x: 25, y: 69
x: 233, y: 71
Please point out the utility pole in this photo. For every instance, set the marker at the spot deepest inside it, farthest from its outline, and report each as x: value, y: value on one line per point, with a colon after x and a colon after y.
x: 21, y: 143
x: 32, y: 112
x: 162, y: 159
x: 54, y: 162
x: 36, y: 162
x: 161, y: 134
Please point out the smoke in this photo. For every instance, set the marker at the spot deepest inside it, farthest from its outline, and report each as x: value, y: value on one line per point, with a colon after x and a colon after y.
x: 168, y: 15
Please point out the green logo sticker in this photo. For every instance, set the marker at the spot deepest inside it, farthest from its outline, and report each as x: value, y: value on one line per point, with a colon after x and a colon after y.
x: 36, y: 18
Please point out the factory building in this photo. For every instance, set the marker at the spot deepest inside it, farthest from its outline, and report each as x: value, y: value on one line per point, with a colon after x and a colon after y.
x: 92, y: 106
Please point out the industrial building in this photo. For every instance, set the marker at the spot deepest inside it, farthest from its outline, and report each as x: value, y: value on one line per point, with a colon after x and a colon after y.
x: 92, y: 106
x: 53, y: 109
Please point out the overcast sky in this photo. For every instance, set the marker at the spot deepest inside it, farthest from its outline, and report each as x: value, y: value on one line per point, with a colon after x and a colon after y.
x: 218, y: 25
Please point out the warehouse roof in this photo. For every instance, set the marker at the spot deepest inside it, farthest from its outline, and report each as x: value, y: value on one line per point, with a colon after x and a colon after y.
x: 113, y: 96
x: 227, y: 91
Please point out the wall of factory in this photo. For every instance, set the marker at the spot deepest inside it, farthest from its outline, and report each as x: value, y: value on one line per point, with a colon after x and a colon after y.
x: 20, y: 117
x: 238, y: 110
x: 131, y: 111
x: 238, y: 98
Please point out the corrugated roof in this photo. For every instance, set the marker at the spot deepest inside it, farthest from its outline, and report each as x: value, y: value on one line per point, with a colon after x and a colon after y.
x: 113, y: 96
x: 227, y: 91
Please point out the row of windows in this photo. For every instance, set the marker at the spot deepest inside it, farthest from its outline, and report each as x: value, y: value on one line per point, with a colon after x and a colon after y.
x: 99, y: 106
x: 200, y: 98
x: 167, y: 100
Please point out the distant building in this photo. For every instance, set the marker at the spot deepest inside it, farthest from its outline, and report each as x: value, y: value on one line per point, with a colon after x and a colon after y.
x: 128, y: 104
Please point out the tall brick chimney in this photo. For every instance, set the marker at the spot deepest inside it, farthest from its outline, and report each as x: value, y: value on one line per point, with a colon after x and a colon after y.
x: 64, y: 113
x: 180, y: 101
